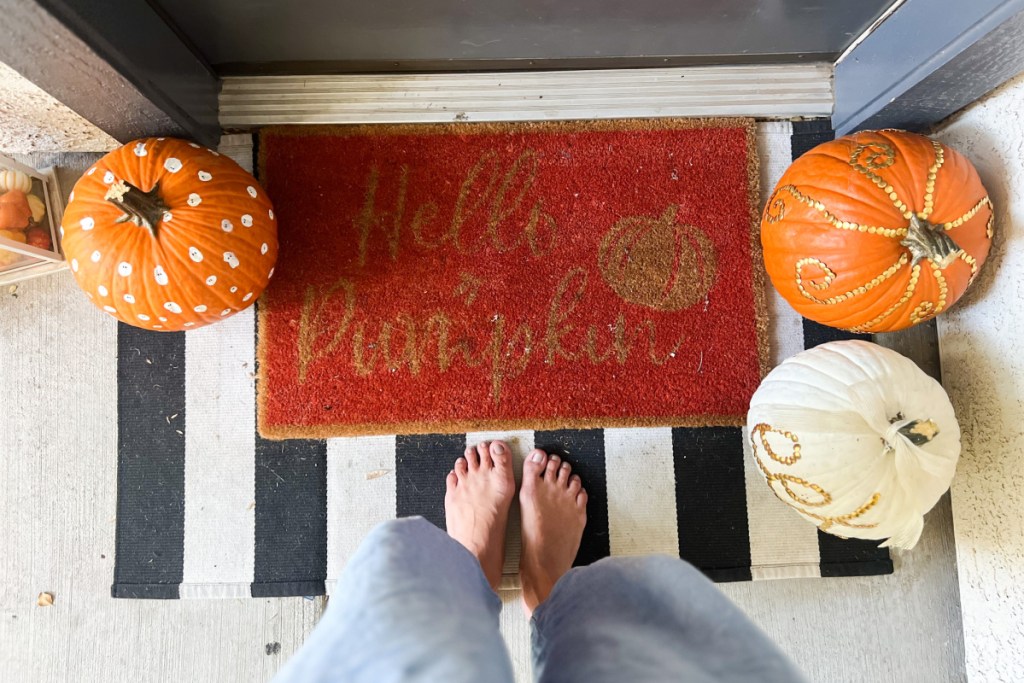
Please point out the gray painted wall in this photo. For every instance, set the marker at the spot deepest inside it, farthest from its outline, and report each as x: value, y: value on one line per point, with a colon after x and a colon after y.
x: 930, y: 58
x: 235, y: 35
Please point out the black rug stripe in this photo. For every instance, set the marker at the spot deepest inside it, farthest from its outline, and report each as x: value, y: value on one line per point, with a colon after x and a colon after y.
x: 422, y: 461
x: 809, y: 134
x: 290, y: 556
x: 852, y: 557
x: 839, y: 557
x: 291, y: 518
x: 711, y: 501
x: 845, y: 557
x: 150, y: 535
x: 816, y: 334
x: 584, y: 450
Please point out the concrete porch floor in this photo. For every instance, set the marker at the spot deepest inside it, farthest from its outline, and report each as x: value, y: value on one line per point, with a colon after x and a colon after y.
x: 58, y: 433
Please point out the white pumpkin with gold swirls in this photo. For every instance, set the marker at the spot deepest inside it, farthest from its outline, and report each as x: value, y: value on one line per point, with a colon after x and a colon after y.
x: 857, y: 438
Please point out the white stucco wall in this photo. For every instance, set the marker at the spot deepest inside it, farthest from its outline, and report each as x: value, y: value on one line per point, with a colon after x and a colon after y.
x: 982, y: 348
x: 33, y: 121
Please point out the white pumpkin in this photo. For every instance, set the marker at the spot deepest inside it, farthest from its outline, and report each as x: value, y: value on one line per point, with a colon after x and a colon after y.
x: 857, y: 439
x: 14, y: 180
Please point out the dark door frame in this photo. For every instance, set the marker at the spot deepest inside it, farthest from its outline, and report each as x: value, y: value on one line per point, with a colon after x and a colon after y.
x: 117, y: 63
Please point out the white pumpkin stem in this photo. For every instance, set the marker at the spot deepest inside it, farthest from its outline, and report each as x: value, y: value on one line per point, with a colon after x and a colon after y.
x: 920, y: 432
x: 144, y: 209
x: 930, y: 241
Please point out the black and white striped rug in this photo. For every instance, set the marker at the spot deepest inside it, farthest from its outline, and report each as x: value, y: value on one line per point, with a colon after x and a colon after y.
x: 208, y: 508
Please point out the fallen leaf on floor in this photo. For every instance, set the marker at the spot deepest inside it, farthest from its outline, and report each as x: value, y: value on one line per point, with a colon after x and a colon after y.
x: 45, y: 600
x: 376, y: 474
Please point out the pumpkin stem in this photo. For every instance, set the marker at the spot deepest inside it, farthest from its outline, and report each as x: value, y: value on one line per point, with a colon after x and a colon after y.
x: 144, y: 209
x: 930, y: 241
x: 920, y: 432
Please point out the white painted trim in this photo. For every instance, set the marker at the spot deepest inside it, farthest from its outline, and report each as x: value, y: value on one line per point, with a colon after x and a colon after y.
x: 765, y: 91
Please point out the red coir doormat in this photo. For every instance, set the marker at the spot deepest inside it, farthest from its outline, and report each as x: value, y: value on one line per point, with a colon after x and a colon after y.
x: 451, y: 278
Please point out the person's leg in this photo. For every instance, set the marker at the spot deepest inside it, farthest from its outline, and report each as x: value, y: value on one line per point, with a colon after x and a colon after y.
x: 625, y: 619
x: 415, y: 604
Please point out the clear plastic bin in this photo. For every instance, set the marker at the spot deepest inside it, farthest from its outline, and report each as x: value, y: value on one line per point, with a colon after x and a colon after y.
x: 30, y: 216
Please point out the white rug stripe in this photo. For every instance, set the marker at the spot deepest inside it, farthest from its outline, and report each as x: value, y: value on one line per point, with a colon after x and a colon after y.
x: 787, y: 329
x: 210, y: 591
x: 775, y: 151
x: 516, y: 632
x: 782, y: 544
x: 238, y: 147
x: 641, y: 483
x: 360, y: 495
x: 521, y: 443
x: 220, y: 436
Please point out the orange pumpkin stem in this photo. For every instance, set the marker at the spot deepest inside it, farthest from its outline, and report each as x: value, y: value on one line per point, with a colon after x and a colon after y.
x: 929, y: 241
x: 144, y: 209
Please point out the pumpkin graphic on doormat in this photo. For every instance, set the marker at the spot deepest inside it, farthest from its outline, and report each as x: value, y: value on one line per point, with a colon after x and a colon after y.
x: 657, y: 262
x: 876, y: 231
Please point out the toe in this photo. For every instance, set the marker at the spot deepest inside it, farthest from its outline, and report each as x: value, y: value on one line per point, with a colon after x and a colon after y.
x: 452, y: 480
x: 499, y: 453
x: 483, y: 449
x: 581, y: 499
x: 534, y: 466
x: 575, y: 485
x: 461, y: 468
x: 563, y: 473
x: 472, y: 458
x: 554, y: 462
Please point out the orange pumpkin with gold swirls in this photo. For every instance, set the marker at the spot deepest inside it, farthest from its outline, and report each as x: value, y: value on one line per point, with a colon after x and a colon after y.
x: 876, y: 231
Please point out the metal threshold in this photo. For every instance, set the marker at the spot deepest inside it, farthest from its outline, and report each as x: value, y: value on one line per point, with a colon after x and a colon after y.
x: 762, y: 91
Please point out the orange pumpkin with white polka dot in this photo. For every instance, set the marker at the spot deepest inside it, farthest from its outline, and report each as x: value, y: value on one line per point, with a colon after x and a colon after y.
x: 166, y: 235
x: 876, y: 231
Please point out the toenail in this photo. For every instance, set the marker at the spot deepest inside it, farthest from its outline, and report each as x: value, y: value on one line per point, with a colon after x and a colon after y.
x: 537, y: 456
x: 497, y: 447
x: 565, y: 465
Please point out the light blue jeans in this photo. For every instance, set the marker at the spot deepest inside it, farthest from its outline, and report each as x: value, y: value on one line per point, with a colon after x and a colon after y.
x: 413, y: 606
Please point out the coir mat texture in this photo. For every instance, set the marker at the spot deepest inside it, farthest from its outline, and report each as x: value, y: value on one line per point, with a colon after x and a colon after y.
x: 444, y: 278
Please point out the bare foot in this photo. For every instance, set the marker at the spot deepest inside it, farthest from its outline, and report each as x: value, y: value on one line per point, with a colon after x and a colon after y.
x: 476, y: 504
x: 554, y: 507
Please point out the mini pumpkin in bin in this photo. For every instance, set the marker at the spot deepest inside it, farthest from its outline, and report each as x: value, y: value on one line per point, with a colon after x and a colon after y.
x: 29, y: 217
x: 167, y: 235
x: 876, y: 231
